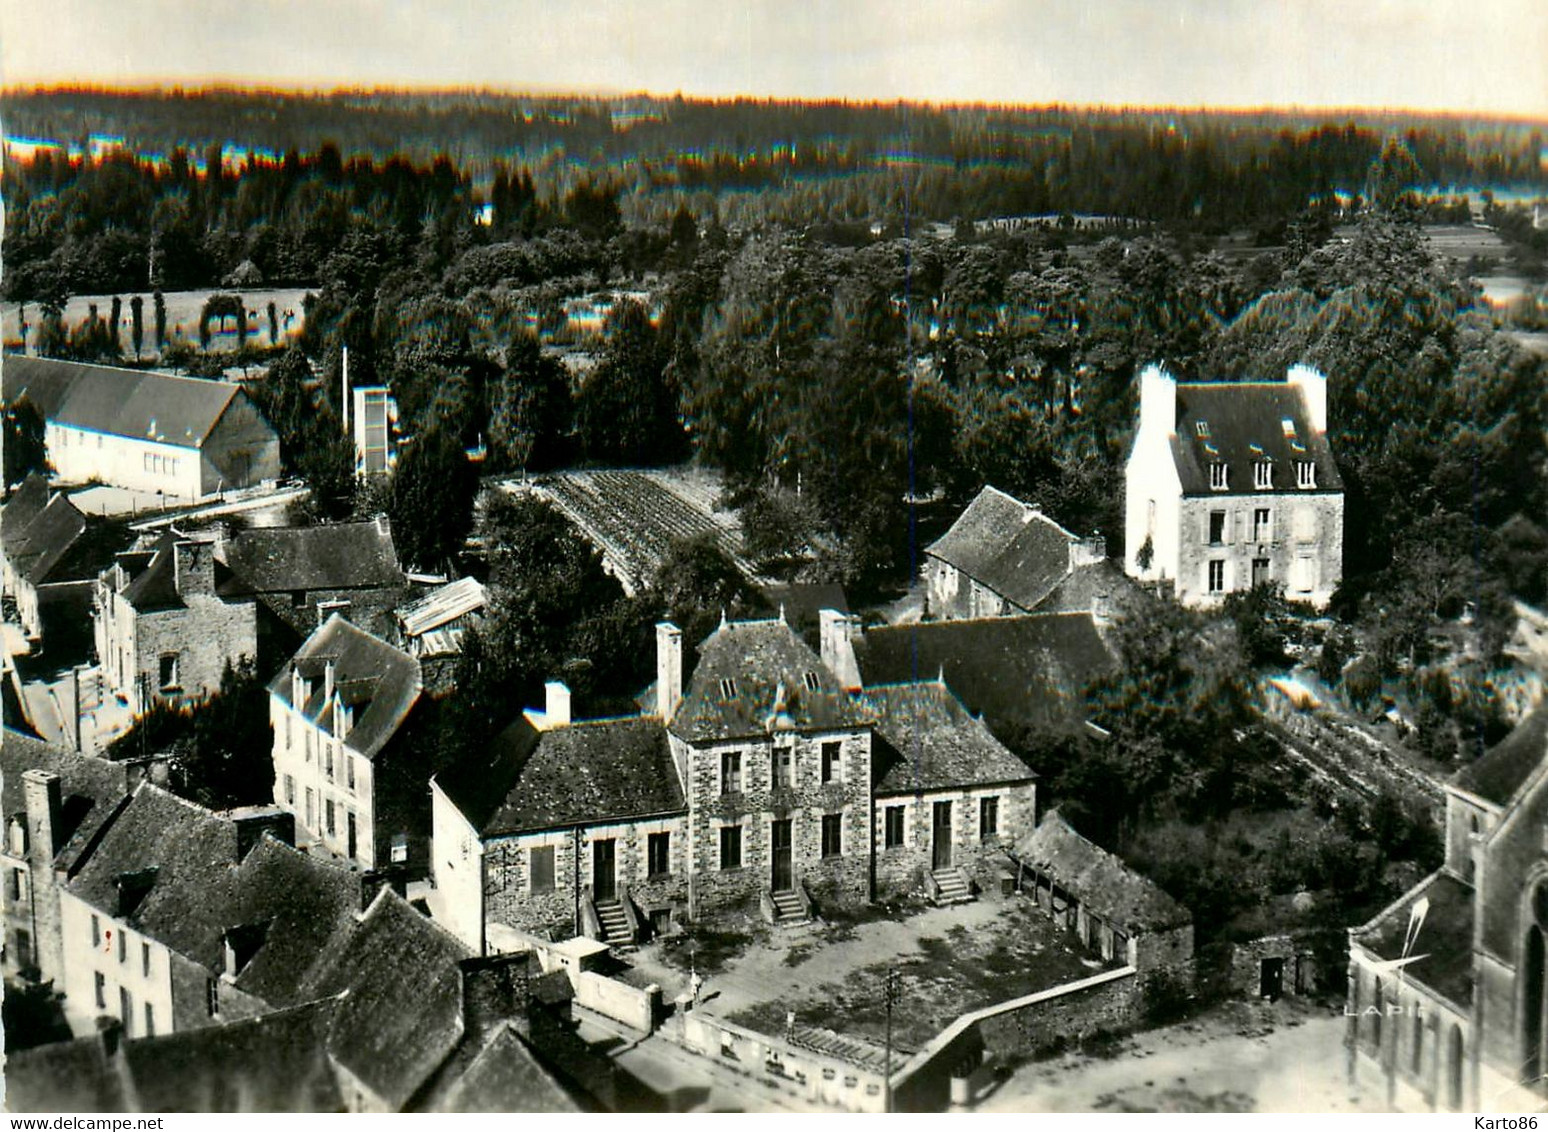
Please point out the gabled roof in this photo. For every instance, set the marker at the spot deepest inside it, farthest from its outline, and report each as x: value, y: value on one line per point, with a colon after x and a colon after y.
x: 441, y: 605
x: 756, y: 677
x: 506, y: 1076
x: 578, y: 774
x: 1446, y: 943
x: 1011, y: 671
x: 153, y: 584
x: 926, y: 740
x: 139, y: 404
x: 1244, y: 422
x: 1501, y: 770
x: 39, y: 547
x: 1008, y: 546
x: 331, y: 556
x: 1100, y: 584
x: 25, y: 504
x: 1098, y: 879
x: 91, y: 789
x: 382, y: 683
x: 402, y: 1013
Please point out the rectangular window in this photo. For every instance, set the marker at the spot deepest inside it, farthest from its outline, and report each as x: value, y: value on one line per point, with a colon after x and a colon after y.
x: 125, y: 1008
x: 147, y: 461
x: 779, y: 768
x: 307, y: 739
x: 832, y: 835
x: 988, y: 818
x: 728, y: 689
x: 399, y: 848
x: 145, y: 960
x: 328, y: 815
x: 658, y: 852
x: 1305, y: 473
x: 1217, y: 527
x: 1263, y: 475
x: 893, y: 818
x: 1262, y: 525
x: 832, y: 762
x: 311, y: 809
x: 1305, y: 524
x: 328, y: 760
x: 813, y: 684
x: 1218, y: 479
x: 96, y: 933
x: 123, y: 946
x: 1303, y: 575
x: 169, y: 670
x: 540, y: 860
x: 349, y: 770
x: 731, y: 772
x: 18, y: 885
x: 100, y: 982
x: 150, y: 1021
x: 1217, y: 577
x: 287, y: 731
x: 730, y: 847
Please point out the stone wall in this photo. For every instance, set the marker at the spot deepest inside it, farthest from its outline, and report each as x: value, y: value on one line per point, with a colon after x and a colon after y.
x: 1302, y: 524
x: 900, y: 870
x: 205, y: 635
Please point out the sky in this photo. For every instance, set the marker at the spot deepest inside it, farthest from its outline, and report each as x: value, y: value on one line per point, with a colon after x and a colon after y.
x: 1488, y: 56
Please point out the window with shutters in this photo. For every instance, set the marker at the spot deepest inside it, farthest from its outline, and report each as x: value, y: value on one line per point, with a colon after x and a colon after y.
x: 1305, y: 474
x: 1219, y: 480
x: 731, y: 772
x: 832, y: 762
x: 1263, y: 475
x: 1216, y: 582
x: 1217, y: 527
x: 1262, y: 525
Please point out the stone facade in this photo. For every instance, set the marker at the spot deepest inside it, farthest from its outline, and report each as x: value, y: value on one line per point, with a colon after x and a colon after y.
x: 900, y: 869
x: 758, y: 803
x: 1294, y: 540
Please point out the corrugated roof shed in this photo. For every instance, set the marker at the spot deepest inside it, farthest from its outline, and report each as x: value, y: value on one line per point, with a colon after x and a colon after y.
x: 1240, y: 423
x: 382, y: 683
x: 926, y: 740
x: 441, y: 605
x: 1501, y: 770
x: 1008, y: 546
x: 140, y: 404
x: 755, y: 677
x: 1098, y: 879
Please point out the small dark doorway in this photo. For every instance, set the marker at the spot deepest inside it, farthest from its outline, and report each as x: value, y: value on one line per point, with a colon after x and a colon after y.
x: 783, y: 879
x: 1271, y: 979
x: 349, y: 830
x: 940, y: 856
x: 1260, y: 571
x: 602, y: 870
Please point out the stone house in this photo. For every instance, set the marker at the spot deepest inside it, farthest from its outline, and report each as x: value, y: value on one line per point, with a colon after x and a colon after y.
x: 571, y: 828
x: 1447, y: 995
x: 55, y: 801
x: 51, y: 554
x: 1112, y: 909
x: 167, y: 623
x: 1229, y: 485
x: 344, y: 764
x: 948, y: 795
x: 1003, y: 557
x: 179, y: 918
x: 180, y: 438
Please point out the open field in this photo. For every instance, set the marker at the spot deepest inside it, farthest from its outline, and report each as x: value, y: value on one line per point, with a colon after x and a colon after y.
x: 183, y: 308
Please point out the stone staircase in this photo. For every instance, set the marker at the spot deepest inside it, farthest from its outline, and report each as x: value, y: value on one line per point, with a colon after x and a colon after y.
x: 788, y: 909
x: 615, y: 924
x: 952, y: 887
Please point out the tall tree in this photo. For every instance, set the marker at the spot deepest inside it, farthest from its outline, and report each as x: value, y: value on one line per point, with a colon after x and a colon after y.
x: 431, y: 498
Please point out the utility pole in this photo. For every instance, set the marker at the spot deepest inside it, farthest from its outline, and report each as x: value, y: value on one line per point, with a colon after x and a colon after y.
x: 890, y: 988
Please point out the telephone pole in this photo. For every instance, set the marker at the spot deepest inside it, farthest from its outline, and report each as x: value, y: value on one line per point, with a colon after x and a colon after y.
x: 890, y: 991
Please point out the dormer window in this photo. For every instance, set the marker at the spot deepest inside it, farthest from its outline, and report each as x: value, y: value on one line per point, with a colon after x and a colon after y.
x: 1218, y: 480
x: 1263, y: 475
x: 1289, y: 428
x: 811, y: 682
x: 1305, y: 473
x: 1201, y: 429
x: 727, y: 688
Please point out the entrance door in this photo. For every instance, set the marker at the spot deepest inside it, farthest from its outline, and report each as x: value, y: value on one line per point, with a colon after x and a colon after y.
x: 1260, y: 571
x: 1271, y: 979
x: 779, y: 839
x: 940, y: 857
x: 602, y: 869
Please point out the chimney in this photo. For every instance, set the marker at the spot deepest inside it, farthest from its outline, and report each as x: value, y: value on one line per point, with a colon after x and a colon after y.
x: 1087, y: 551
x: 1158, y: 401
x: 837, y: 644
x: 299, y: 688
x: 43, y: 796
x: 328, y: 681
x: 1314, y: 388
x: 556, y: 703
x: 372, y: 881
x: 193, y: 568
x: 669, y: 670
x: 73, y: 707
x: 252, y: 822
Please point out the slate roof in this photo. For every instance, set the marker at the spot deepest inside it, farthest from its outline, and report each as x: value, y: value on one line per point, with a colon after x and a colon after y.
x: 201, y: 888
x: 1011, y: 671
x: 926, y: 740
x: 1099, y: 584
x: 24, y: 505
x: 140, y: 404
x: 153, y: 584
x: 61, y: 544
x: 802, y: 603
x: 1244, y: 421
x: 1098, y: 879
x: 402, y: 1015
x: 584, y: 773
x: 332, y: 556
x: 383, y: 683
x: 441, y: 605
x: 1445, y: 940
x: 1501, y: 770
x: 1008, y: 546
x: 507, y: 1077
x: 770, y: 669
x: 91, y: 789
